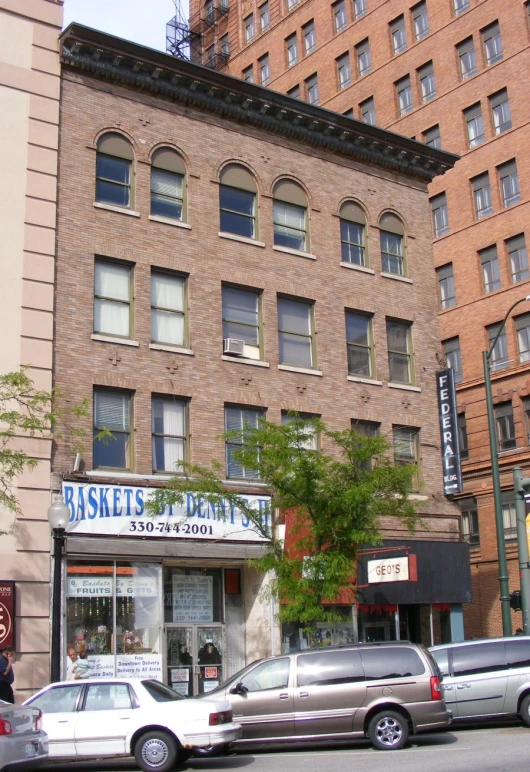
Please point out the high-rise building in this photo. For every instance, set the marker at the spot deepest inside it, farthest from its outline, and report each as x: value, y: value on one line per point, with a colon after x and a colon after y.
x: 448, y: 74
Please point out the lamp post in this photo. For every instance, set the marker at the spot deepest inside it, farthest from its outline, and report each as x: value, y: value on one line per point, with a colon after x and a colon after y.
x: 58, y: 516
x: 501, y: 546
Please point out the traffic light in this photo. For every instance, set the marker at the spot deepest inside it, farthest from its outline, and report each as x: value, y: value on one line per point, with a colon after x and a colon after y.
x: 515, y: 600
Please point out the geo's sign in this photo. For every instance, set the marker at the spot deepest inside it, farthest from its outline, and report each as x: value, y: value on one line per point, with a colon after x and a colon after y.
x: 7, y: 614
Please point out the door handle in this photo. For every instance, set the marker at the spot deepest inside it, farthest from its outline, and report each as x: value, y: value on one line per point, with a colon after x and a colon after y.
x: 448, y: 688
x: 64, y: 721
x: 283, y: 696
x: 304, y: 694
x: 125, y: 718
x: 463, y: 686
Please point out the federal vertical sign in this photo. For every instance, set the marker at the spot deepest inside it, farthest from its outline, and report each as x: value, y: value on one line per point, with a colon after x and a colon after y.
x: 445, y: 384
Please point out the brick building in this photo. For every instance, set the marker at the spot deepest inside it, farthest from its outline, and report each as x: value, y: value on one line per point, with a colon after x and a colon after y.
x: 225, y: 252
x: 449, y: 74
x: 29, y: 138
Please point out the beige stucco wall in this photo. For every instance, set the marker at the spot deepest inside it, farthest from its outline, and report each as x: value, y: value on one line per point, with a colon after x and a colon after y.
x: 29, y: 135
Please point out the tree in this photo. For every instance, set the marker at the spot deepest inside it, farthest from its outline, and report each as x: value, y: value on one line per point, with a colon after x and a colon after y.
x: 333, y: 500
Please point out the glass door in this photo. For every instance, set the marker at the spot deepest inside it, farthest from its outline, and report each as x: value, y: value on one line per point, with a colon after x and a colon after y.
x: 194, y: 658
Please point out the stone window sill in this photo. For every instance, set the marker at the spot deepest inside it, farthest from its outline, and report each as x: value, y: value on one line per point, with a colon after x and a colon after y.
x: 111, y: 339
x: 241, y: 239
x: 394, y: 276
x: 296, y: 252
x: 304, y: 370
x: 403, y: 387
x: 169, y: 221
x: 172, y: 349
x: 358, y: 379
x: 118, y: 209
x: 360, y: 268
x: 246, y: 361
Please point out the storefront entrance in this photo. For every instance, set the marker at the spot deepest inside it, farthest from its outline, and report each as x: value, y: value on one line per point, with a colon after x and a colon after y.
x: 194, y: 658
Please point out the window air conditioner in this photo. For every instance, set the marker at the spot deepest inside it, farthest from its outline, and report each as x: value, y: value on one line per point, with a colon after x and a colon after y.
x: 234, y: 346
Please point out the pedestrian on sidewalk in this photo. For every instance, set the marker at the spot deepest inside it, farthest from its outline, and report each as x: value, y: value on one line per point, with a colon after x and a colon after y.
x: 7, y: 675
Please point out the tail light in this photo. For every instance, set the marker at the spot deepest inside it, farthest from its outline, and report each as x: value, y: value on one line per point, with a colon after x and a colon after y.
x: 436, y: 688
x: 225, y: 717
x: 5, y: 727
x: 38, y: 721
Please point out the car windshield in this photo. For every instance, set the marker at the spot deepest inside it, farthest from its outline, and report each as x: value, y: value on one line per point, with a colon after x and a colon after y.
x: 160, y: 692
x: 230, y: 681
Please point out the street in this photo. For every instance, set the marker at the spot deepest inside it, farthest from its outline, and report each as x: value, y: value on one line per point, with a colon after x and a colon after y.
x: 503, y: 748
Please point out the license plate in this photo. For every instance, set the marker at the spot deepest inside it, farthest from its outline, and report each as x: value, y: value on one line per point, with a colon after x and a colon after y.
x: 31, y: 749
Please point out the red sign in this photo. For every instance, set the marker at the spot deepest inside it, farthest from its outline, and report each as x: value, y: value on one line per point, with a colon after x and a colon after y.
x: 210, y: 672
x: 7, y: 614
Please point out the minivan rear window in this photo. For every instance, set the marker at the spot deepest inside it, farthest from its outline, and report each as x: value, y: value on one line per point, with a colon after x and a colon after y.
x: 386, y: 663
x: 478, y: 658
x: 517, y: 653
x: 329, y: 667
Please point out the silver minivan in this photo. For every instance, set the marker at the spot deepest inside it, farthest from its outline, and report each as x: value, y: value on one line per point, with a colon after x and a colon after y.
x: 486, y: 678
x: 383, y: 691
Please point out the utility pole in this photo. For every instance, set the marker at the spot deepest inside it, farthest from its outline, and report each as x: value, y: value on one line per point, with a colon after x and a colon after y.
x: 521, y: 485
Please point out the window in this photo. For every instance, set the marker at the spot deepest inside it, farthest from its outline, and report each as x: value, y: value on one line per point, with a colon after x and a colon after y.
x: 169, y: 428
x: 291, y: 4
x: 391, y: 237
x: 352, y: 230
x: 58, y: 699
x: 522, y: 325
x: 167, y: 184
x: 359, y: 339
x: 432, y: 137
x: 310, y: 36
x: 399, y: 351
x: 462, y: 435
x: 114, y: 158
x: 269, y: 675
x: 500, y: 111
x: 490, y: 269
x: 248, y: 23
x: 404, y: 95
x: 509, y: 515
x: 264, y: 16
x: 453, y: 356
x: 311, y: 89
x: 248, y: 74
x: 474, y: 125
x: 420, y: 20
x: 339, y: 15
x: 362, y: 52
x: 499, y: 355
x: 526, y: 410
x: 359, y: 8
x: 309, y: 430
x: 516, y: 247
x: 290, y: 216
x: 509, y: 183
x: 112, y: 412
x: 472, y: 660
x: 329, y: 668
x: 291, y: 47
x: 168, y: 304
x: 349, y: 113
x: 343, y: 70
x: 224, y: 44
x: 427, y: 82
x: 459, y: 6
x: 517, y: 653
x: 237, y: 201
x: 242, y: 318
x: 393, y: 663
x: 440, y: 218
x: 492, y: 42
x: 468, y: 508
x: 467, y: 58
x: 209, y: 10
x: 366, y: 428
x: 294, y: 92
x: 295, y: 332
x: 112, y: 298
x: 264, y: 69
x: 446, y: 286
x: 482, y: 195
x: 406, y: 443
x: 399, y: 34
x: 367, y: 109
x: 237, y: 420
x: 209, y: 57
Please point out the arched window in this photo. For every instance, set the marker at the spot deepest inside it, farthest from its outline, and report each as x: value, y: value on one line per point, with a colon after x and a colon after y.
x: 167, y: 184
x: 237, y: 201
x: 352, y: 234
x: 392, y: 245
x: 290, y: 216
x: 114, y: 160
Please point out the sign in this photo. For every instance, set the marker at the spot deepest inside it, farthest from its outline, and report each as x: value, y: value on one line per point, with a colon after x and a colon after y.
x: 7, y: 614
x: 119, y: 510
x: 102, y: 586
x: 192, y: 598
x: 388, y: 570
x: 445, y: 384
x: 144, y: 665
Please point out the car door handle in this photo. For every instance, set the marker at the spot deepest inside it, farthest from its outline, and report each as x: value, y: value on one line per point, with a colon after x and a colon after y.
x: 283, y: 696
x: 64, y: 721
x: 125, y: 718
x: 463, y: 686
x: 448, y: 688
x: 304, y: 694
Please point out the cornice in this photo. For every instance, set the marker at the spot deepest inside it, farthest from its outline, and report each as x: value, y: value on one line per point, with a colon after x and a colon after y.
x: 127, y: 64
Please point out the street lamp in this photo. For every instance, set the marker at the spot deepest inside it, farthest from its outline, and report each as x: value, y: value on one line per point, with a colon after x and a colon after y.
x: 501, y: 546
x: 58, y: 516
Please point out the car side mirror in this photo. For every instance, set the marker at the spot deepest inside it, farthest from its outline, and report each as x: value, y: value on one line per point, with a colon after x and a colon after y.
x: 239, y: 688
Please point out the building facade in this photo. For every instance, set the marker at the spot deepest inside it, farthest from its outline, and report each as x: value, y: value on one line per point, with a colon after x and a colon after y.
x: 29, y: 130
x: 449, y: 74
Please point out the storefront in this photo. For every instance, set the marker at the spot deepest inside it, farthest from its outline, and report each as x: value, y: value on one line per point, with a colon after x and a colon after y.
x: 168, y: 597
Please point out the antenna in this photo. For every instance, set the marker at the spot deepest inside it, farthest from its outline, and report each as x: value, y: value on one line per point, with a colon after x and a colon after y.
x: 181, y: 41
x: 203, y: 38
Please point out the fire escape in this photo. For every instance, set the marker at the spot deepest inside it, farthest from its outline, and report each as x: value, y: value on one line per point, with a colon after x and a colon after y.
x: 203, y: 38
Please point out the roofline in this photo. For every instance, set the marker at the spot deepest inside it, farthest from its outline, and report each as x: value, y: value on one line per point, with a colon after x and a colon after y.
x: 130, y: 65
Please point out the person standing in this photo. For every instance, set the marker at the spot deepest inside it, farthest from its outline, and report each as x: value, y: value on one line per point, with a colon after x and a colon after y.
x: 7, y: 675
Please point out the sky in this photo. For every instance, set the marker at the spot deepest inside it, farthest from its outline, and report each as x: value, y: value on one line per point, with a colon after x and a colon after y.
x: 142, y: 21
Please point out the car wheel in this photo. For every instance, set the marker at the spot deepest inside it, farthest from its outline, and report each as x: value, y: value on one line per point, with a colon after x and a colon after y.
x: 156, y: 752
x: 388, y: 731
x: 525, y: 710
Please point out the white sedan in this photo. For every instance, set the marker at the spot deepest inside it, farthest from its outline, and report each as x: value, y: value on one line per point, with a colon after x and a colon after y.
x: 109, y: 717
